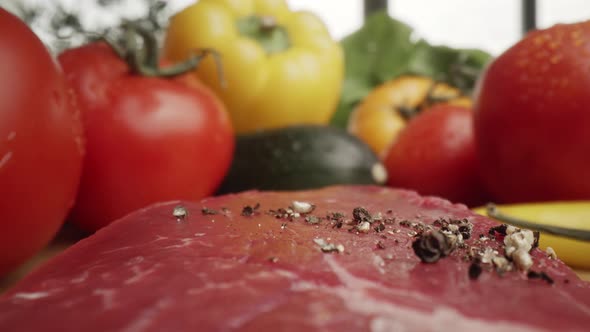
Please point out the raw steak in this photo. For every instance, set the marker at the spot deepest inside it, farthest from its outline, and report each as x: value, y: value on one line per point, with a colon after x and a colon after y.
x: 244, y: 262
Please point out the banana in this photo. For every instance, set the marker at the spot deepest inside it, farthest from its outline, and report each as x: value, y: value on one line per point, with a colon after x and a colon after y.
x: 564, y: 226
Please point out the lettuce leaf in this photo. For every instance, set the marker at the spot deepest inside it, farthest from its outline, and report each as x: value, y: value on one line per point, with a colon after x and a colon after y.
x: 385, y: 48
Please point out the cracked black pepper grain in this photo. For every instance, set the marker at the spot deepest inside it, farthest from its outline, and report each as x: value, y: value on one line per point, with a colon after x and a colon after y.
x: 379, y: 228
x: 207, y: 211
x: 312, y: 220
x: 540, y: 275
x: 432, y: 246
x: 249, y: 211
x: 501, y: 230
x: 475, y: 271
x: 360, y: 214
x: 337, y: 219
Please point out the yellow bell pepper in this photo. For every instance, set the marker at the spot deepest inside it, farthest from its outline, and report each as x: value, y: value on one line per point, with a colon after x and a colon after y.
x: 280, y: 67
x: 573, y: 214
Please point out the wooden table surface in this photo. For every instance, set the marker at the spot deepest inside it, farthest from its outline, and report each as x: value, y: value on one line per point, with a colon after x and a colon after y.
x: 67, y: 236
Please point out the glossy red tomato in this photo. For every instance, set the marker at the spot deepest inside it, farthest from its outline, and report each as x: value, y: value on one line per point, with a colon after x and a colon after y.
x: 148, y: 139
x: 41, y: 146
x: 532, y: 117
x: 435, y: 155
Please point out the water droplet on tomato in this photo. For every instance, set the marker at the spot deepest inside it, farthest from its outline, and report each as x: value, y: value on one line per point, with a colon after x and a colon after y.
x: 556, y: 59
x: 4, y: 160
x: 58, y: 98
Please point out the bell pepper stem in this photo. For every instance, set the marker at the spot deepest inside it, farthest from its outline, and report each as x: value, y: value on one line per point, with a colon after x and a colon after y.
x: 408, y: 112
x: 273, y: 37
x: 431, y: 97
x: 572, y: 233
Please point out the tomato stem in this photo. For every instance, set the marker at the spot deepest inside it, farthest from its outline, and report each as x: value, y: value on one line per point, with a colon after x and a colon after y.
x: 147, y: 53
x: 572, y: 233
x: 189, y: 65
x: 139, y: 48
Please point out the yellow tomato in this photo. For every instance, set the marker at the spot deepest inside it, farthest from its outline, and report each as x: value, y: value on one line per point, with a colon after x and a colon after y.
x: 379, y: 118
x: 574, y: 214
x: 281, y: 67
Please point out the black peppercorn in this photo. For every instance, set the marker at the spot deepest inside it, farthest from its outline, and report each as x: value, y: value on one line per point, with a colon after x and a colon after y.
x: 432, y: 246
x: 248, y: 210
x: 474, y: 271
x: 360, y: 214
x: 540, y: 275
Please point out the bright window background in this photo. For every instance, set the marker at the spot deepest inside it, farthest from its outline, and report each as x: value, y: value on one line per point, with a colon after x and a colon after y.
x: 341, y: 17
x: 492, y: 25
x: 550, y: 12
x: 489, y: 25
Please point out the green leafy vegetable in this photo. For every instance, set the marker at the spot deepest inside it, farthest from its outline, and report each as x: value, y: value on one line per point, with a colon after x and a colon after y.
x: 385, y: 48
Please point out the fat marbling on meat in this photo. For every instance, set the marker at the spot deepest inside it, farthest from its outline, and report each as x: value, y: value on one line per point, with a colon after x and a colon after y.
x: 257, y: 261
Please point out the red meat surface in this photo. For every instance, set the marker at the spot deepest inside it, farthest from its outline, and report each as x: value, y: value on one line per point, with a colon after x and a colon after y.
x: 219, y: 270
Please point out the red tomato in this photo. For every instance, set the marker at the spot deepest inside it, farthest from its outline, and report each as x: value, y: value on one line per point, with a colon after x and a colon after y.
x: 435, y: 155
x: 41, y: 146
x: 148, y: 139
x: 532, y: 117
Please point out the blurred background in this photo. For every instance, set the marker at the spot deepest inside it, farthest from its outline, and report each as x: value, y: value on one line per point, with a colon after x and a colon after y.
x: 489, y: 25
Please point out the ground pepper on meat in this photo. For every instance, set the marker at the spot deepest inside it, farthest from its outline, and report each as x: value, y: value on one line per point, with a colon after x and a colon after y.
x: 208, y: 212
x: 379, y: 228
x: 313, y: 220
x: 337, y: 219
x: 327, y: 247
x: 500, y: 230
x: 405, y: 223
x: 432, y: 241
x: 475, y: 271
x: 465, y: 228
x: 360, y: 214
x: 338, y: 224
x: 457, y: 227
x: 279, y: 213
x: 335, y: 216
x: 249, y: 211
x: 540, y: 275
